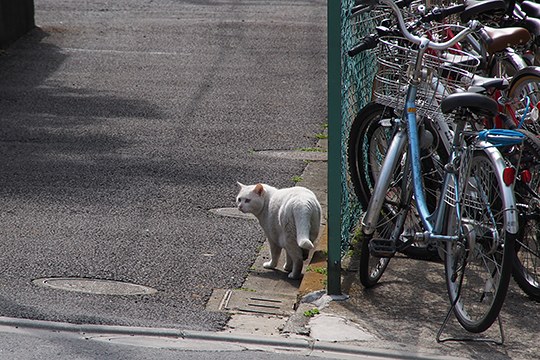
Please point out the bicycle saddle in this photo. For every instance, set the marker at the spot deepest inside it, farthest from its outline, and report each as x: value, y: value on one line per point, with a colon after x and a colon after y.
x: 532, y: 24
x: 477, y: 7
x: 505, y: 37
x: 531, y: 8
x: 477, y: 103
x: 482, y: 83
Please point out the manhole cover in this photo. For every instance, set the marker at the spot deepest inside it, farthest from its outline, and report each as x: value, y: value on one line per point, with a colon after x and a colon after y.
x: 95, y: 286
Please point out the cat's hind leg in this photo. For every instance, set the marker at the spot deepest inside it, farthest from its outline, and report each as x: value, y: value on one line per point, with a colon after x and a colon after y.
x: 294, y: 260
x: 288, y: 267
x: 275, y: 252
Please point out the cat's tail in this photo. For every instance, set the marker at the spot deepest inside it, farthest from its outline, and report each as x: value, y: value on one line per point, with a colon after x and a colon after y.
x: 303, y: 226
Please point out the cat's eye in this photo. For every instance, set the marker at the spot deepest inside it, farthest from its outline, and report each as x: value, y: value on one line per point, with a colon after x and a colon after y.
x: 247, y: 200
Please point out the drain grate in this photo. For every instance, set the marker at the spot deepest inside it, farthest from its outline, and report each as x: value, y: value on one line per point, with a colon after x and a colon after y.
x: 255, y: 303
x: 95, y: 286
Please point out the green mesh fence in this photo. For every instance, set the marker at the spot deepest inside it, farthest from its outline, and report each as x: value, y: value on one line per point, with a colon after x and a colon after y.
x: 357, y: 76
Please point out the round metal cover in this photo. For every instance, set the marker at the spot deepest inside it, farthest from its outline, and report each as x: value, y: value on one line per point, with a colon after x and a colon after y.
x: 95, y: 286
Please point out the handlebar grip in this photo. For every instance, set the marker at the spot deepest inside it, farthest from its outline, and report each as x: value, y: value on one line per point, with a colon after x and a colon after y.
x: 369, y: 42
x: 439, y: 14
x: 484, y: 36
x: 365, y: 2
x: 399, y: 3
x: 403, y: 3
x: 362, y: 5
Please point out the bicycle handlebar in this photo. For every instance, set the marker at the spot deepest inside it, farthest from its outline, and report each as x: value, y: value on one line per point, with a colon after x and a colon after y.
x: 366, y: 5
x: 360, y: 5
x: 369, y: 42
x: 471, y: 27
x: 439, y: 14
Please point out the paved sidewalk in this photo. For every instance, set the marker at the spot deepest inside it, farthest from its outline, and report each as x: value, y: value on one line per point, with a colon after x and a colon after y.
x: 305, y: 315
x: 398, y: 319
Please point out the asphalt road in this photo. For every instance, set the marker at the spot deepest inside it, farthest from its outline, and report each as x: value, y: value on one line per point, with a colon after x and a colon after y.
x: 122, y: 122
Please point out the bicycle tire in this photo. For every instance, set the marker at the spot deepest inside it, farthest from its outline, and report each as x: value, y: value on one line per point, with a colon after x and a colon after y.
x: 526, y: 82
x: 371, y: 268
x: 526, y: 260
x: 369, y: 138
x: 478, y: 266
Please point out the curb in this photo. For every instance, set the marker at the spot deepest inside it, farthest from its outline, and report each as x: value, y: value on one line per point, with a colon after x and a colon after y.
x: 276, y: 344
x: 315, y: 273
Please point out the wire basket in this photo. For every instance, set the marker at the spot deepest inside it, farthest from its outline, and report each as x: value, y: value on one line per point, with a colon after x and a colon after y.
x: 444, y: 73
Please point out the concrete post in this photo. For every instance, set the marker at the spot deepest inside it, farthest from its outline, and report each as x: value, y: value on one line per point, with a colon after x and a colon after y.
x: 16, y: 19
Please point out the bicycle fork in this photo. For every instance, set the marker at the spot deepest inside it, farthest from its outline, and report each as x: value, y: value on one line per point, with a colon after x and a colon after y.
x: 378, y: 197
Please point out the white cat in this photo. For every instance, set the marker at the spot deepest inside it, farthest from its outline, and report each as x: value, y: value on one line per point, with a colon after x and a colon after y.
x: 290, y: 218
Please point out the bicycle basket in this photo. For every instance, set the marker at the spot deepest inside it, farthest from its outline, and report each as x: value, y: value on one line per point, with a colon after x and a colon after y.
x: 445, y: 73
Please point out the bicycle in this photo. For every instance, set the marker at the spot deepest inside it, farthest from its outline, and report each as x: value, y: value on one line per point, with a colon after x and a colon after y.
x: 371, y: 131
x: 473, y: 221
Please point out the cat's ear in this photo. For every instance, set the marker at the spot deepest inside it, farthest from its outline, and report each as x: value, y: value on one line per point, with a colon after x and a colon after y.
x: 258, y: 189
x: 240, y: 184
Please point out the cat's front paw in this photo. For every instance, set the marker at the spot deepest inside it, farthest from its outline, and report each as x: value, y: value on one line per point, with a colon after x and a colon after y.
x: 269, y: 265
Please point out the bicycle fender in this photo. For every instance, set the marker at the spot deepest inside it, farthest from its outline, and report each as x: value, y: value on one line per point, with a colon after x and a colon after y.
x: 529, y: 70
x: 509, y: 200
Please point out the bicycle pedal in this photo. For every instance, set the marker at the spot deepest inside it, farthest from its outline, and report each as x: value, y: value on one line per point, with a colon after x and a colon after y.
x: 382, y: 247
x: 404, y: 242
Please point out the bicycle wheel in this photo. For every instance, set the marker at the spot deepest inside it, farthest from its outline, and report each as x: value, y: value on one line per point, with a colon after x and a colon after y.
x: 526, y: 270
x: 479, y: 264
x: 526, y: 261
x: 524, y: 96
x: 371, y: 268
x: 369, y: 139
